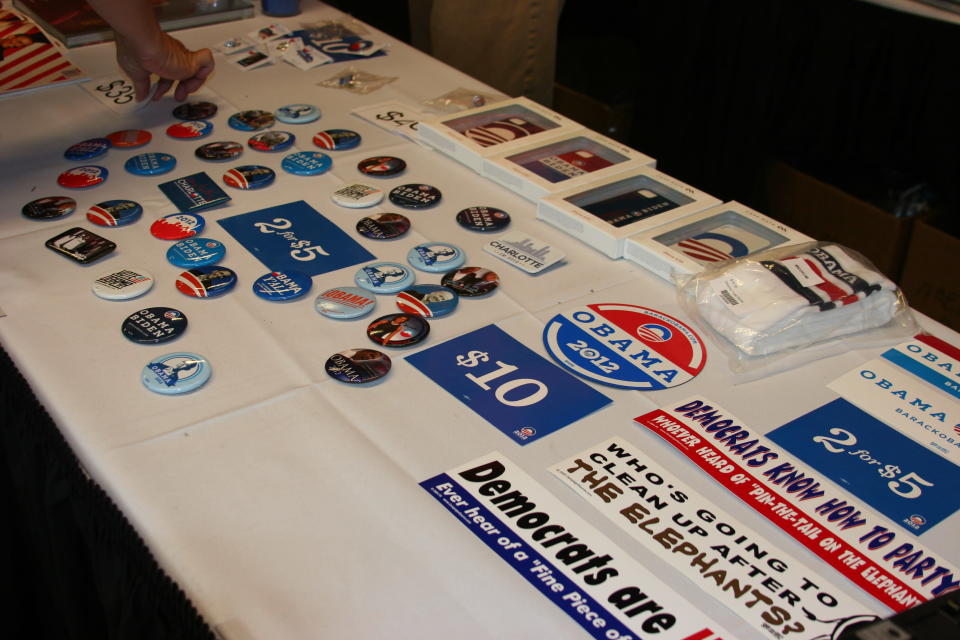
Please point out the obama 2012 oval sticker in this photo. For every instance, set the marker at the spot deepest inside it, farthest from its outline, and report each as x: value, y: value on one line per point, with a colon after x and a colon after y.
x: 626, y: 346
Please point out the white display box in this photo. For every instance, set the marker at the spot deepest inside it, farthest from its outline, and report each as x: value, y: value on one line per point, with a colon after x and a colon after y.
x: 606, y: 212
x: 690, y: 245
x: 472, y: 135
x: 536, y: 170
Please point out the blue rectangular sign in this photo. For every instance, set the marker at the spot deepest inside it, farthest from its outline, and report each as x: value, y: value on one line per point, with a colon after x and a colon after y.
x: 519, y: 392
x: 913, y: 486
x: 295, y: 237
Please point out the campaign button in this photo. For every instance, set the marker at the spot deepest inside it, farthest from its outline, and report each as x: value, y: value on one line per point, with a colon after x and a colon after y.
x: 176, y: 373
x: 337, y: 139
x: 190, y: 129
x: 344, y: 303
x: 122, y: 284
x: 384, y: 277
x: 357, y: 196
x: 249, y: 176
x: 196, y: 252
x: 383, y: 226
x: 88, y: 149
x: 415, y: 196
x: 483, y: 218
x: 206, y: 282
x: 195, y: 111
x: 306, y: 163
x: 428, y: 300
x: 271, y: 141
x: 155, y: 325
x: 436, y: 257
x: 177, y: 226
x: 114, y: 213
x: 282, y: 286
x: 382, y: 166
x: 222, y: 150
x: 129, y: 138
x: 398, y: 330
x: 89, y: 175
x: 49, y: 208
x: 471, y: 282
x: 251, y: 120
x: 358, y: 366
x: 150, y: 164
x: 298, y: 113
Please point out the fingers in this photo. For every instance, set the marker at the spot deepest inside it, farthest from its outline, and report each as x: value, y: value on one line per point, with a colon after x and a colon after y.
x: 163, y: 85
x: 141, y: 86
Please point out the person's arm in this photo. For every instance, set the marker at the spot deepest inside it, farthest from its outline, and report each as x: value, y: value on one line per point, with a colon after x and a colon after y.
x: 143, y: 48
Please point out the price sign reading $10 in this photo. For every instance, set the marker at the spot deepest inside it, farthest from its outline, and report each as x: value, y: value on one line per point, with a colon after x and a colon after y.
x: 513, y: 388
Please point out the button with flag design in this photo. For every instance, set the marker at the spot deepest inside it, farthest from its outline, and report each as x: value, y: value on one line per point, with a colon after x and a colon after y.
x: 206, y: 282
x: 271, y: 141
x: 337, y: 139
x: 428, y: 300
x: 249, y: 176
x: 114, y: 213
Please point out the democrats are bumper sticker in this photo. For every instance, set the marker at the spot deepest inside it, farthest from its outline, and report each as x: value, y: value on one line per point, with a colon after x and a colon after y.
x: 623, y: 345
x: 519, y: 392
x: 295, y: 237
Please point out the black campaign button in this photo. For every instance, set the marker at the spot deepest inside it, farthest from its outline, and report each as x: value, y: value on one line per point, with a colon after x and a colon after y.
x: 383, y: 226
x: 195, y: 111
x: 415, y: 196
x: 154, y: 325
x: 220, y: 150
x: 358, y: 366
x: 398, y: 330
x: 382, y: 166
x: 471, y: 282
x: 49, y: 208
x: 483, y: 218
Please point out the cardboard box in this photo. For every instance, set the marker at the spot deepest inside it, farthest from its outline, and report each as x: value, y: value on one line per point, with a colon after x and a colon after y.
x: 929, y: 279
x: 546, y: 167
x: 472, y: 135
x: 606, y: 212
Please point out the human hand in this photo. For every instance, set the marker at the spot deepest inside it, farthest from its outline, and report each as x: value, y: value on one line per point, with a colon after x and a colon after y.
x: 169, y: 59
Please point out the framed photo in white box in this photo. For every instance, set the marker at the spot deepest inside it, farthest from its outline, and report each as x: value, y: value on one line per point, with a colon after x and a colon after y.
x: 690, y: 245
x: 605, y: 213
x: 536, y: 170
x: 470, y: 136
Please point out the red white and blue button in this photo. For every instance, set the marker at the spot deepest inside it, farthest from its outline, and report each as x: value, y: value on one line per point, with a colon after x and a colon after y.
x: 428, y: 300
x: 150, y: 164
x: 189, y: 129
x: 272, y: 141
x: 89, y: 175
x: 114, y: 213
x: 337, y: 139
x: 251, y: 120
x: 398, y: 330
x: 282, y: 286
x: 249, y: 176
x: 306, y: 163
x: 87, y: 149
x: 206, y: 282
x: 382, y: 166
x: 196, y: 252
x: 178, y: 226
x: 176, y: 373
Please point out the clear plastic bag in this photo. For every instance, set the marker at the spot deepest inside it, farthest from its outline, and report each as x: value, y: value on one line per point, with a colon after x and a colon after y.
x: 460, y: 99
x: 352, y: 79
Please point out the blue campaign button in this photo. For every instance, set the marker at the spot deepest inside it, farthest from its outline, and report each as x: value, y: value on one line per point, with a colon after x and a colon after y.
x: 206, y: 282
x: 306, y: 163
x: 92, y: 148
x: 428, y: 300
x: 384, y: 277
x: 176, y: 373
x: 249, y: 176
x: 114, y: 213
x: 436, y: 257
x: 337, y: 139
x: 196, y: 252
x: 251, y: 120
x: 344, y: 303
x: 150, y: 164
x: 271, y: 141
x: 282, y: 286
x: 297, y: 113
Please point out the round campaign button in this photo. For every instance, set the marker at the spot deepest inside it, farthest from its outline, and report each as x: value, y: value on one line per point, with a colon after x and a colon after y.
x: 382, y: 166
x: 155, y: 325
x: 624, y: 345
x: 196, y: 252
x: 471, y: 282
x: 282, y: 286
x: 428, y: 300
x: 436, y: 257
x: 384, y: 277
x: 206, y: 282
x: 357, y: 196
x: 337, y: 139
x: 114, y: 213
x: 150, y: 164
x: 49, y: 208
x: 221, y: 150
x: 88, y: 149
x: 176, y: 373
x: 249, y: 176
x: 344, y: 303
x: 398, y: 330
x: 189, y: 129
x: 177, y: 226
x: 195, y: 111
x: 122, y: 284
x: 306, y: 163
x: 358, y: 366
x: 298, y: 113
x: 89, y: 175
x: 252, y: 120
x: 271, y: 141
x: 129, y: 138
x: 383, y: 226
x: 483, y: 218
x: 415, y: 196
